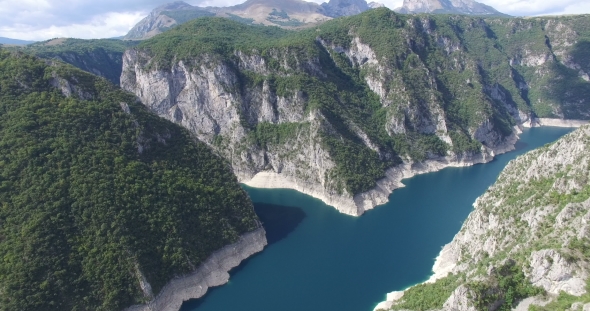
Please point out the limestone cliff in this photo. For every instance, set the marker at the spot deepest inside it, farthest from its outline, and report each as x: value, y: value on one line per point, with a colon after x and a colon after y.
x: 337, y: 112
x: 212, y: 272
x: 534, y: 219
x: 101, y: 57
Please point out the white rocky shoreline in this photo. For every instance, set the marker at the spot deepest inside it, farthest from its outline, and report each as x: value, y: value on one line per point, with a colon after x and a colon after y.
x: 447, y: 259
x: 379, y: 195
x: 212, y: 272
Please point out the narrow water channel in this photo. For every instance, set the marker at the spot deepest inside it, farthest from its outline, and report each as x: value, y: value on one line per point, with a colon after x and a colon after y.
x: 321, y: 260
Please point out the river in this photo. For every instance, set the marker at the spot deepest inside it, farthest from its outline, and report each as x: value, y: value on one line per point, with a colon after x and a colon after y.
x: 320, y: 260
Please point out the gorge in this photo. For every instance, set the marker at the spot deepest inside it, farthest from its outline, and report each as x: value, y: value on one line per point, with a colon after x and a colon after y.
x: 342, y: 111
x: 333, y: 261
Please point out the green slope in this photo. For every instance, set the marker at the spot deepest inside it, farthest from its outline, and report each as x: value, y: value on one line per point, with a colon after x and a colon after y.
x: 102, y: 57
x: 474, y: 68
x: 90, y: 194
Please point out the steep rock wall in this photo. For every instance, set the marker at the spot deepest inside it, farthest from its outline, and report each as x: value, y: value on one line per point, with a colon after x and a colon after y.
x: 212, y: 272
x: 332, y: 114
x: 520, y: 219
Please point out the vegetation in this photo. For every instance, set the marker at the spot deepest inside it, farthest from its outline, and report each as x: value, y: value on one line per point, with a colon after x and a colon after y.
x: 429, y: 296
x: 564, y: 301
x: 183, y: 16
x: 240, y: 19
x: 506, y: 286
x: 92, y: 196
x: 469, y: 72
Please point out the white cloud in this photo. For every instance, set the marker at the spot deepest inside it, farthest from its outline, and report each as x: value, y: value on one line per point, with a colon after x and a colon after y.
x: 46, y: 19
x: 535, y: 7
x: 102, y: 26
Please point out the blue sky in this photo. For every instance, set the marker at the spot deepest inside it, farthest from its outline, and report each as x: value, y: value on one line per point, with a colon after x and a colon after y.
x: 46, y: 19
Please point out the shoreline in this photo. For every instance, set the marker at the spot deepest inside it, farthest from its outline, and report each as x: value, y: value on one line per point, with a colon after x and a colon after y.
x: 378, y: 195
x: 358, y: 204
x: 539, y: 122
x: 447, y: 258
x: 214, y: 271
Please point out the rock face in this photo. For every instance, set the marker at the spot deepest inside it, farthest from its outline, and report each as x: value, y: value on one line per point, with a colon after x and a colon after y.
x: 537, y: 216
x: 162, y: 18
x: 101, y: 57
x: 338, y: 8
x: 468, y: 7
x: 212, y: 272
x: 285, y: 114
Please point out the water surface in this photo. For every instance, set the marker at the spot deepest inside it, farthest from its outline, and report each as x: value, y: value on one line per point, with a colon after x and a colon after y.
x: 321, y: 260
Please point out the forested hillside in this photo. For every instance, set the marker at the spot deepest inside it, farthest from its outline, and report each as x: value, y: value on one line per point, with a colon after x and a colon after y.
x: 102, y: 57
x: 101, y: 202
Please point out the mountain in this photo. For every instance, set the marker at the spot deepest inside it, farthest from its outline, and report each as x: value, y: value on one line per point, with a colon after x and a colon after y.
x: 347, y: 109
x: 10, y: 41
x: 283, y: 13
x: 102, y: 57
x: 376, y: 5
x: 104, y: 203
x: 527, y: 242
x: 338, y: 8
x: 164, y: 17
x: 468, y: 7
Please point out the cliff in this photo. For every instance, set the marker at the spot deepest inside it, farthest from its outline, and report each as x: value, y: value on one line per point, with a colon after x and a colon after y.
x: 101, y: 57
x: 289, y: 14
x: 338, y: 111
x: 525, y: 243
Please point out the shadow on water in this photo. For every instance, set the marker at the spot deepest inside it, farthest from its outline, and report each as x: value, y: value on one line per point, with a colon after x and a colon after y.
x: 278, y: 221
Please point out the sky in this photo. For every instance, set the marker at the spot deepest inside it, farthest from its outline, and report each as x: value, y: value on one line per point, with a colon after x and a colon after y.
x: 38, y: 20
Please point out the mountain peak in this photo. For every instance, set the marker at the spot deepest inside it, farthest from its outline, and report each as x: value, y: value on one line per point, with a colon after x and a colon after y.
x: 467, y: 7
x: 176, y: 5
x: 337, y: 8
x: 282, y: 13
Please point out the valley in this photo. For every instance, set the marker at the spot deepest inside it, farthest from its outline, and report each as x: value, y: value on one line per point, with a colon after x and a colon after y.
x: 137, y: 173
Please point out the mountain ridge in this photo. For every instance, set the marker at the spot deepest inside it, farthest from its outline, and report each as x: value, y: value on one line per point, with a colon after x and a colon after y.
x: 103, y: 203
x: 468, y: 7
x: 524, y: 246
x: 10, y: 41
x: 290, y: 14
x: 333, y: 108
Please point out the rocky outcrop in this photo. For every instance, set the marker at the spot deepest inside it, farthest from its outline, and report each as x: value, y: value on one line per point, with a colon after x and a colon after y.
x: 158, y: 20
x: 212, y: 272
x: 283, y: 13
x: 101, y: 57
x: 518, y: 218
x: 282, y: 115
x: 199, y: 100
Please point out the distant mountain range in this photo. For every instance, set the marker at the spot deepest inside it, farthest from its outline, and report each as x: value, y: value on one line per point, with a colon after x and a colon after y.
x: 291, y: 14
x: 467, y: 7
x: 282, y: 13
x: 11, y: 41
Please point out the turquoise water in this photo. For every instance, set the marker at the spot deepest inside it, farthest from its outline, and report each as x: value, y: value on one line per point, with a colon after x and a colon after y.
x: 321, y: 260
